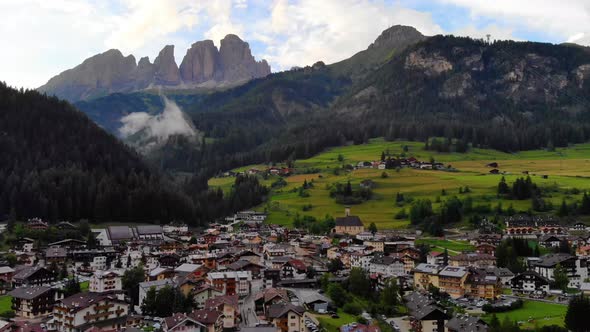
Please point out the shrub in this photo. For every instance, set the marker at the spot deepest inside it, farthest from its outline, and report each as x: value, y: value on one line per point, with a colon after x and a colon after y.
x: 493, y: 308
x: 352, y: 308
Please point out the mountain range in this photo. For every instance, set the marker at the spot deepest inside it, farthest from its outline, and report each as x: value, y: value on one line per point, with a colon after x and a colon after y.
x: 505, y: 95
x: 204, y: 66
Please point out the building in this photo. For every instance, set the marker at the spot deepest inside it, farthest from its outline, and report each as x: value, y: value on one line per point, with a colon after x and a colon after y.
x: 231, y: 282
x: 81, y: 311
x: 576, y: 267
x: 105, y: 281
x: 550, y: 241
x: 32, y: 302
x: 144, y: 287
x: 246, y: 265
x: 387, y: 266
x: 426, y: 275
x: 424, y: 314
x: 287, y: 317
x: 482, y: 284
x: 196, y: 321
x: 466, y: 323
x: 435, y: 258
x: 229, y: 306
x: 6, y: 273
x: 57, y: 255
x: 32, y: 276
x: 175, y: 228
x: 351, y: 225
x: 151, y: 233
x: 472, y: 260
x: 451, y: 280
x: 204, y: 292
x: 529, y: 282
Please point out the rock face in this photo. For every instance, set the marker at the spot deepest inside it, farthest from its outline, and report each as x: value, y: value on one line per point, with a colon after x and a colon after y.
x: 203, y: 65
x: 431, y: 64
x: 99, y: 75
x: 233, y: 62
x: 166, y: 70
x: 237, y: 60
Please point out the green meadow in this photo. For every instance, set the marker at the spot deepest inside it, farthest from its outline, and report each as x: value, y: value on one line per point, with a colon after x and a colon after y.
x: 561, y: 170
x: 534, y: 314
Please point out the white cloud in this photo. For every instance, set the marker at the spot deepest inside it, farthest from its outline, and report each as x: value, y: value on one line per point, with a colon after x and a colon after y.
x: 219, y: 13
x: 303, y: 32
x: 562, y: 19
x: 42, y: 38
x: 156, y: 129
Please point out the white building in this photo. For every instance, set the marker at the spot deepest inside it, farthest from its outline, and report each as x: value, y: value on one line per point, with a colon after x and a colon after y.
x: 387, y: 266
x: 575, y: 267
x: 99, y: 263
x: 75, y: 313
x: 105, y: 281
x: 175, y: 228
x: 231, y: 282
x: 144, y: 287
x: 360, y: 260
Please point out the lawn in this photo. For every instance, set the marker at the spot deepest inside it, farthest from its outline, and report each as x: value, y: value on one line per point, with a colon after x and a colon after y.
x: 564, y: 169
x: 84, y: 286
x: 454, y: 247
x: 5, y: 303
x: 333, y: 325
x: 534, y: 314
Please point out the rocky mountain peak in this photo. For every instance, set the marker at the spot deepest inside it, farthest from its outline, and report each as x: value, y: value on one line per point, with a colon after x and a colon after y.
x: 203, y: 65
x: 397, y: 35
x: 166, y: 70
x: 237, y: 60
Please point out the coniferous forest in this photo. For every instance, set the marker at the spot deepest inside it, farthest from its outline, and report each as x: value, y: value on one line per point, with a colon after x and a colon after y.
x: 57, y: 164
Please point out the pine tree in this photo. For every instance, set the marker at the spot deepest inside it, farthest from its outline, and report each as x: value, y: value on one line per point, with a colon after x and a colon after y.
x: 560, y: 278
x: 563, y: 210
x: 578, y: 311
x: 373, y: 228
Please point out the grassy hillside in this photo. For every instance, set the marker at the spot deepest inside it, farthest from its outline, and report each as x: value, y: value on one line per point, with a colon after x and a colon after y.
x: 565, y: 168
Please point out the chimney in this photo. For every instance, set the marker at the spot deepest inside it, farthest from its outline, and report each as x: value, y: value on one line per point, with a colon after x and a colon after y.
x: 347, y: 211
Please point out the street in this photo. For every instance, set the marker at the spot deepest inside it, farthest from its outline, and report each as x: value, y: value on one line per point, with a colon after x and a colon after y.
x: 248, y: 311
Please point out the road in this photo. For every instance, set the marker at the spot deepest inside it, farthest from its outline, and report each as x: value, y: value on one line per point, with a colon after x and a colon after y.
x: 247, y: 309
x: 538, y: 300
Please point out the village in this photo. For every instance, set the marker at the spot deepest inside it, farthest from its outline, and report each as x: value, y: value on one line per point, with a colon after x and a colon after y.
x: 247, y: 275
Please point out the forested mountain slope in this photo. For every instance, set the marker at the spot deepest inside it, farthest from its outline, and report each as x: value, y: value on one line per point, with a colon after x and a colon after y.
x: 57, y: 164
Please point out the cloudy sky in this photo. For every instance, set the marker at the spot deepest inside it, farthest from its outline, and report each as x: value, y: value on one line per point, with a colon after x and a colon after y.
x: 41, y: 38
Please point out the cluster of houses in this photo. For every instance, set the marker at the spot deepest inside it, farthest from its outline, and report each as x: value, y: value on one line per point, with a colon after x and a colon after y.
x: 246, y: 275
x: 280, y: 171
x: 410, y: 162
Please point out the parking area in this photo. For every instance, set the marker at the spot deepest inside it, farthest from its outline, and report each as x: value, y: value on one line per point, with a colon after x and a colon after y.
x: 399, y: 324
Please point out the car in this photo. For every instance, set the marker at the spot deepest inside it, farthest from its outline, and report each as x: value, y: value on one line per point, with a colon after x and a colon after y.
x: 335, y: 316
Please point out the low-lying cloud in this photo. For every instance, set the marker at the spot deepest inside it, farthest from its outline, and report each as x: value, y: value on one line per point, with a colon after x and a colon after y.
x: 156, y: 129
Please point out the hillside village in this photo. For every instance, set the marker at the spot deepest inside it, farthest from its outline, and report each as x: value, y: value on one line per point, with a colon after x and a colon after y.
x: 247, y: 275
